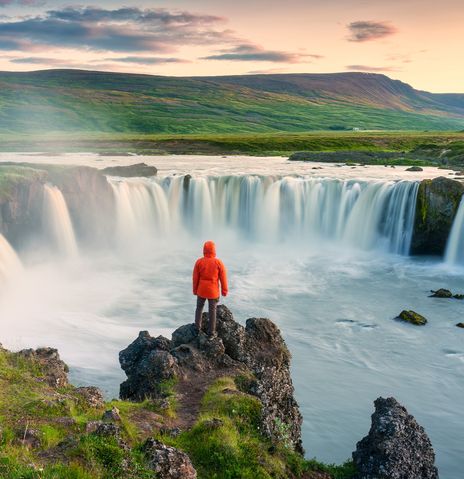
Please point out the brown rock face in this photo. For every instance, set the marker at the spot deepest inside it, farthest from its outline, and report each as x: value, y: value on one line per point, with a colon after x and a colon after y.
x: 437, y: 203
x: 257, y: 351
x: 89, y: 198
x: 55, y: 370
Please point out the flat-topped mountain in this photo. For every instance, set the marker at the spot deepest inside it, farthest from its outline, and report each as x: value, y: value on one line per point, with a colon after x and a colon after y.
x: 79, y: 100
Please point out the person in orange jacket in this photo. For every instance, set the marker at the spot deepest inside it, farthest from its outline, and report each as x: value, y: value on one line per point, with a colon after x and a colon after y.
x: 208, y: 272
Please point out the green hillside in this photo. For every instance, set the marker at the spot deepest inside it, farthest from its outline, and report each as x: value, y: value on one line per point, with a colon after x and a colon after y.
x: 85, y: 101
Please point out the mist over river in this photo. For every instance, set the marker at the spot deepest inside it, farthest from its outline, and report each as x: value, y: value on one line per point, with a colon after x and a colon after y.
x: 322, y: 252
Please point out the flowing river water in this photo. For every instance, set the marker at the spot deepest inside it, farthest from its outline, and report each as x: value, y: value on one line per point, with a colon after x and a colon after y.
x: 322, y: 252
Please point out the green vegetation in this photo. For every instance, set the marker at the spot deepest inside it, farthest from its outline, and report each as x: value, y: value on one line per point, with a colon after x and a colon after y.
x: 83, y: 101
x: 44, y: 434
x: 392, y: 148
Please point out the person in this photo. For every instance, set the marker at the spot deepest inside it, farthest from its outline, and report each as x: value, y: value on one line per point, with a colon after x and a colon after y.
x: 209, y: 272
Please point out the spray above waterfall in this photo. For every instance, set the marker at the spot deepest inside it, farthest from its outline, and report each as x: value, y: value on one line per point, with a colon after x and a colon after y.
x: 10, y: 264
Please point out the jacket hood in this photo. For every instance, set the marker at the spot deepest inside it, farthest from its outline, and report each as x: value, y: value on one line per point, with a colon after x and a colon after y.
x: 209, y: 249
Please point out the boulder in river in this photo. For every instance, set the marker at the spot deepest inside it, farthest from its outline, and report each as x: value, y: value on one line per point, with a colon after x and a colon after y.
x: 397, y: 447
x: 460, y: 325
x: 414, y: 168
x: 441, y: 293
x: 412, y: 317
x: 137, y: 170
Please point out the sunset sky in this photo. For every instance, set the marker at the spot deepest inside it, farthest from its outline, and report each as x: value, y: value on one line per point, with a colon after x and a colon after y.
x: 417, y: 41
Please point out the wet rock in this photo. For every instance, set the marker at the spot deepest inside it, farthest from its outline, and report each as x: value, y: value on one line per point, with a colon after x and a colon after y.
x: 168, y: 462
x: 397, y: 447
x: 54, y: 369
x: 92, y: 395
x: 257, y: 351
x: 458, y: 296
x: 136, y: 170
x: 412, y: 317
x: 414, y: 168
x: 437, y: 203
x: 460, y: 325
x: 112, y: 415
x: 441, y: 293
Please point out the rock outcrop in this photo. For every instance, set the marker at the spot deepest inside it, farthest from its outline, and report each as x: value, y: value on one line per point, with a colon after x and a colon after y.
x: 168, y: 462
x: 412, y: 317
x: 437, y: 203
x: 55, y: 371
x: 137, y: 170
x: 256, y: 352
x: 396, y: 447
x: 20, y: 200
x: 88, y: 194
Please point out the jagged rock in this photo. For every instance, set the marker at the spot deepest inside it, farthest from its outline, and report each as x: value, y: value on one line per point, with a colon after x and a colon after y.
x: 54, y: 369
x: 136, y: 170
x: 92, y: 395
x: 183, y: 335
x: 458, y: 296
x: 414, y: 168
x: 441, y: 293
x: 146, y: 363
x: 437, y: 203
x: 111, y: 415
x: 460, y: 325
x: 396, y: 446
x: 412, y: 317
x: 257, y: 351
x: 168, y: 462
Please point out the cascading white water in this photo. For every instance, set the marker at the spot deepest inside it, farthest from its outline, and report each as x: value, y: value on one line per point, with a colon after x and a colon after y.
x: 57, y: 222
x: 10, y: 264
x: 363, y: 214
x: 455, y: 247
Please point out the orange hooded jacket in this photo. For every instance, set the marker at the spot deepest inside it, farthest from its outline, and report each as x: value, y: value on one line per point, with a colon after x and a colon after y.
x: 207, y: 274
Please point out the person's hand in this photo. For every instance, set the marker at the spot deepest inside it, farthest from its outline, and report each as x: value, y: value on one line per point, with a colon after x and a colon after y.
x: 224, y: 293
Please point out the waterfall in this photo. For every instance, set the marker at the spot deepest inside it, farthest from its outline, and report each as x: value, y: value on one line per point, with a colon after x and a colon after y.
x: 455, y: 247
x: 10, y: 264
x: 57, y: 222
x: 361, y: 214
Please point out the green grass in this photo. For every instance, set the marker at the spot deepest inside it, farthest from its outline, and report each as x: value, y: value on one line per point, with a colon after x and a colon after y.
x: 404, y: 147
x: 84, y: 101
x: 225, y: 443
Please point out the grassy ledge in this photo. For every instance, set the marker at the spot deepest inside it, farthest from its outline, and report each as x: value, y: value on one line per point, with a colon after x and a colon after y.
x: 45, y: 433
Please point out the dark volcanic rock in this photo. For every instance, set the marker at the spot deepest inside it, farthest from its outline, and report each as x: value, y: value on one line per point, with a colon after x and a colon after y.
x: 168, y: 462
x: 460, y: 325
x: 412, y: 317
x: 414, y: 168
x: 257, y: 350
x: 441, y: 293
x: 54, y: 369
x: 396, y: 446
x: 437, y: 203
x: 137, y: 170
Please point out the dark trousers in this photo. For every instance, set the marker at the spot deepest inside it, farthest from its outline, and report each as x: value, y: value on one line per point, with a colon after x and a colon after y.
x: 212, y: 304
